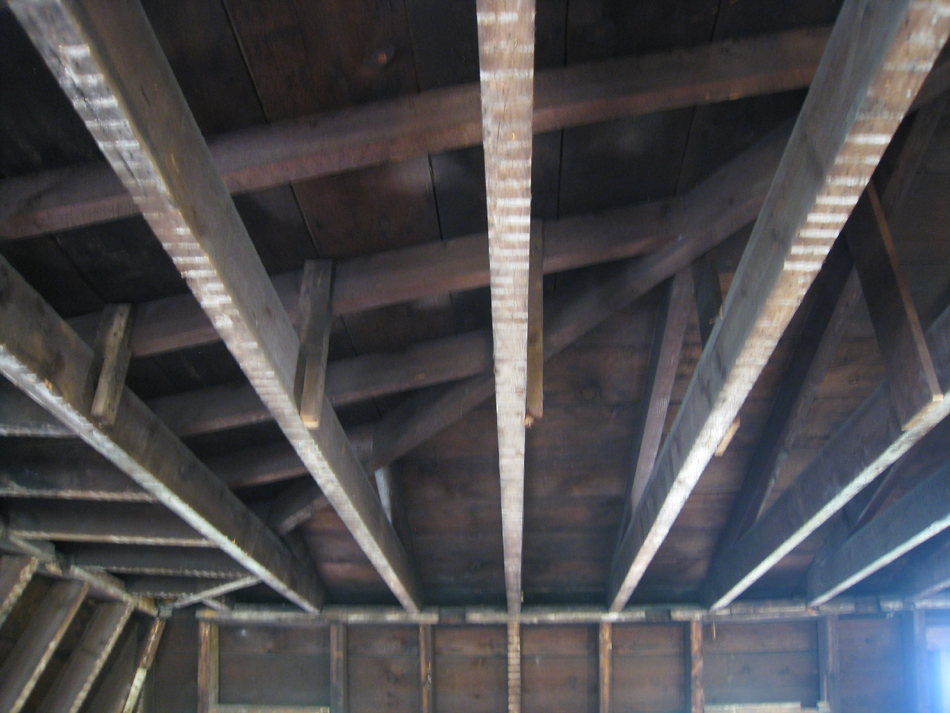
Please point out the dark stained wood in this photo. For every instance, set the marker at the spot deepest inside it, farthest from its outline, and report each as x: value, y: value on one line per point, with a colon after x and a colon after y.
x: 930, y: 575
x: 697, y: 695
x: 431, y: 122
x: 173, y: 561
x: 426, y: 670
x: 672, y: 318
x: 339, y: 680
x: 187, y: 205
x: 25, y: 663
x: 837, y: 291
x: 314, y: 327
x: 829, y: 663
x: 708, y: 293
x: 146, y: 657
x: 112, y: 346
x: 806, y: 208
x: 915, y: 518
x: 605, y: 666
x: 296, y: 505
x: 910, y: 371
x: 514, y: 667
x: 535, y: 368
x: 69, y: 690
x: 714, y: 210
x: 15, y: 573
x: 207, y: 666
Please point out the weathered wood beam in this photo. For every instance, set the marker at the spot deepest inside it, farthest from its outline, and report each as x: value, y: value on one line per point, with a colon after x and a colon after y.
x: 873, y: 66
x: 178, y: 588
x: 431, y: 122
x: 207, y: 666
x: 339, y: 677
x: 296, y: 505
x: 315, y: 318
x: 210, y: 592
x: 671, y: 320
x: 916, y: 517
x: 144, y: 661
x: 112, y: 347
x: 708, y: 292
x: 514, y: 667
x: 907, y: 363
x: 836, y: 291
x: 839, y: 472
x: 604, y: 665
x: 694, y: 658
x: 704, y: 218
x: 112, y: 690
x: 506, y: 67
x: 120, y: 83
x: 16, y: 571
x: 426, y: 670
x: 117, y: 523
x: 36, y: 644
x: 69, y: 690
x: 829, y: 663
x: 200, y: 562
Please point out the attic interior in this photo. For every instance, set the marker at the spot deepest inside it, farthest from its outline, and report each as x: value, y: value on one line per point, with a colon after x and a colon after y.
x: 574, y: 355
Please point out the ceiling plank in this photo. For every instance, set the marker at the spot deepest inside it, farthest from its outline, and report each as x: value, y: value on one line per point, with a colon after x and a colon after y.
x: 915, y: 518
x: 37, y: 643
x: 123, y: 88
x: 434, y: 121
x: 873, y: 66
x: 72, y: 685
x: 709, y: 214
x: 506, y: 67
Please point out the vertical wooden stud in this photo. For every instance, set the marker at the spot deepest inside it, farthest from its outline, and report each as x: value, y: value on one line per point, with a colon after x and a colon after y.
x: 314, y: 318
x: 339, y: 701
x: 829, y: 666
x: 207, y: 666
x: 605, y: 660
x: 426, y: 679
x: 535, y: 384
x: 697, y: 696
x: 514, y: 667
x: 113, y: 345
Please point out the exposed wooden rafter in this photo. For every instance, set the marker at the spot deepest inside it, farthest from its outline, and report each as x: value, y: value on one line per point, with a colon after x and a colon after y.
x: 871, y: 70
x: 112, y: 69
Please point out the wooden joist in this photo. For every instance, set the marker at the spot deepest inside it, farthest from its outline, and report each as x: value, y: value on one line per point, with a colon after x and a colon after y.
x: 208, y: 592
x: 705, y: 217
x: 200, y: 562
x: 431, y: 122
x: 506, y: 67
x: 108, y: 62
x: 112, y: 347
x: 872, y: 67
x: 69, y: 690
x: 314, y: 316
x: 915, y: 518
x: 604, y: 666
x: 16, y: 571
x: 121, y: 685
x: 37, y: 643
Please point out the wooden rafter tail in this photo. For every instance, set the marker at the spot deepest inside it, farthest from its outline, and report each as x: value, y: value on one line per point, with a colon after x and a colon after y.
x: 506, y: 65
x: 111, y: 67
x: 872, y: 68
x: 436, y: 121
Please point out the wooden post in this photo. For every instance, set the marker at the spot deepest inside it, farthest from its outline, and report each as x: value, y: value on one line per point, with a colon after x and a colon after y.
x: 606, y: 664
x: 829, y: 663
x: 315, y: 317
x: 339, y: 699
x: 207, y: 666
x: 426, y: 678
x: 514, y: 667
x: 113, y: 347
x: 697, y: 696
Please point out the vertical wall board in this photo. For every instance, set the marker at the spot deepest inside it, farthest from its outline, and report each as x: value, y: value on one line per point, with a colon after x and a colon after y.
x: 471, y: 669
x: 872, y: 677
x: 639, y: 640
x: 383, y: 668
x: 559, y: 668
x: 648, y: 684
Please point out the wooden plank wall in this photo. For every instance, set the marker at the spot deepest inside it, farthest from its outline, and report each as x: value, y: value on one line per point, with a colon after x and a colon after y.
x: 743, y: 663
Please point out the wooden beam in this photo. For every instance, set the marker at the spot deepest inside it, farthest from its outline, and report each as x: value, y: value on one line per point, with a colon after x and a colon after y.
x: 873, y: 65
x: 203, y: 562
x: 296, y: 505
x: 72, y: 685
x: 112, y: 347
x: 708, y: 292
x: 604, y: 665
x: 697, y: 695
x: 112, y: 690
x: 15, y: 573
x: 829, y: 663
x: 117, y: 523
x: 213, y: 591
x: 907, y: 363
x: 707, y: 215
x: 671, y: 320
x: 36, y: 644
x: 167, y: 168
x: 207, y: 666
x: 339, y: 678
x: 514, y: 667
x: 314, y: 326
x: 916, y: 517
x: 426, y: 670
x: 179, y: 588
x: 836, y: 292
x: 506, y: 67
x: 534, y: 399
x: 144, y: 661
x: 431, y: 122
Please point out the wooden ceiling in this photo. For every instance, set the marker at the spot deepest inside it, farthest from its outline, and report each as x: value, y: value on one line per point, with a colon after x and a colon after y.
x: 714, y: 235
